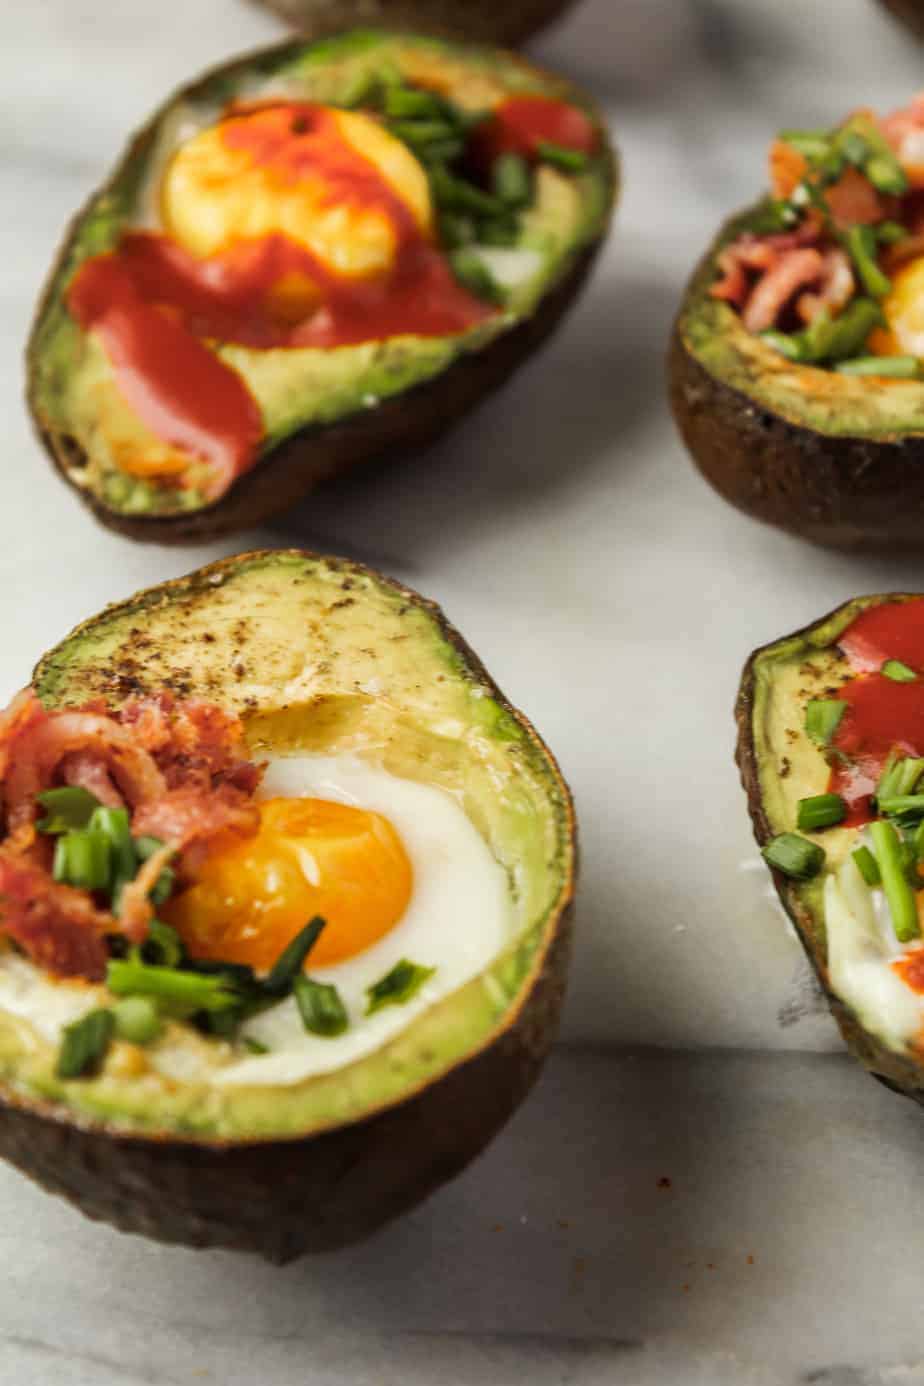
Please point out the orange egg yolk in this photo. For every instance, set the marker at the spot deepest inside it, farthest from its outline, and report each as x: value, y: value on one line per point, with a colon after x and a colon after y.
x: 309, y: 856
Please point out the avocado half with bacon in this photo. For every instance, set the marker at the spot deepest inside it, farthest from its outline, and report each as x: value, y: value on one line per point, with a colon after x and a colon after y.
x: 797, y: 361
x: 285, y: 900
x: 831, y: 754
x: 510, y: 23
x: 314, y: 256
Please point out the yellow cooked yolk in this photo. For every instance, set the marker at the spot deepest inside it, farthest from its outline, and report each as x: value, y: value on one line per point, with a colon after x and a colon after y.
x: 309, y: 857
x: 903, y: 308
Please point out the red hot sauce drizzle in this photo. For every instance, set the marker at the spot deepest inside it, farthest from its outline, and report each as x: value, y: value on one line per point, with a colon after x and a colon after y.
x: 154, y: 305
x: 882, y: 715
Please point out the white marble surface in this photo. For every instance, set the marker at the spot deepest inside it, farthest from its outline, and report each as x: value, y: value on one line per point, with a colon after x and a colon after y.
x: 614, y: 598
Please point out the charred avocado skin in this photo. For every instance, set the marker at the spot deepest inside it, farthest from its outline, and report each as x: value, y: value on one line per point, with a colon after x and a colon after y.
x: 364, y: 402
x: 835, y: 460
x: 908, y: 12
x: 513, y: 22
x: 778, y: 764
x: 289, y: 641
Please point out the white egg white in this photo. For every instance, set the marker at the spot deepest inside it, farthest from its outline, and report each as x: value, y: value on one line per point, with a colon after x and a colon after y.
x: 459, y: 918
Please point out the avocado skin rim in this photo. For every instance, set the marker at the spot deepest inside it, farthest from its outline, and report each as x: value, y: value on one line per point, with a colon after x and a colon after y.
x: 844, y: 492
x: 907, y: 12
x: 401, y: 425
x: 895, y: 1071
x: 485, y: 21
x: 285, y: 1198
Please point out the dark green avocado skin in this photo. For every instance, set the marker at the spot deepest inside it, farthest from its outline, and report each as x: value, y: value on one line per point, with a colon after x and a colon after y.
x: 909, y: 13
x: 282, y: 1199
x: 900, y: 1074
x: 396, y: 427
x: 843, y: 493
x: 485, y: 21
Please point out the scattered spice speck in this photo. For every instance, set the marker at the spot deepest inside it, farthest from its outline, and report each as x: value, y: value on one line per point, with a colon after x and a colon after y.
x: 750, y: 1260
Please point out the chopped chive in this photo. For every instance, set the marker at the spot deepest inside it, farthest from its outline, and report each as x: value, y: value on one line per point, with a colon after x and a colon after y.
x: 899, y: 777
x: 853, y: 147
x: 795, y: 856
x: 403, y: 102
x: 822, y: 718
x: 820, y: 811
x: 162, y: 947
x: 918, y: 843
x: 320, y: 1007
x: 814, y: 144
x: 904, y: 806
x: 136, y: 1019
x: 68, y: 807
x: 188, y: 990
x: 254, y: 1046
x: 84, y: 1045
x: 886, y: 175
x: 358, y: 91
x: 775, y: 214
x: 897, y: 671
x: 849, y: 330
x: 83, y: 859
x: 900, y: 896
x: 889, y: 367
x: 114, y: 824
x: 890, y: 232
x: 860, y: 242
x: 498, y: 232
x: 292, y: 959
x: 787, y: 344
x: 470, y: 270
x: 867, y: 866
x: 147, y: 846
x: 463, y: 196
x: 569, y: 160
x: 403, y: 981
x: 511, y: 180
x: 456, y: 230
x: 422, y: 132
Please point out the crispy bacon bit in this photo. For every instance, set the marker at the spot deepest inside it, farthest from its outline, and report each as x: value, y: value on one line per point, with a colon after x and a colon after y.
x: 60, y: 928
x: 796, y: 269
x: 181, y: 769
x: 834, y: 291
x: 136, y: 910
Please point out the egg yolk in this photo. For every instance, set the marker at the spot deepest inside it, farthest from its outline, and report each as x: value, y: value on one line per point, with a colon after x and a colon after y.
x: 309, y: 857
x: 903, y: 309
x: 333, y: 182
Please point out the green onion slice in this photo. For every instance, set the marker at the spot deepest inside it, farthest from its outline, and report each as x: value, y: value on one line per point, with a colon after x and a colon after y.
x: 292, y: 959
x: 867, y: 865
x: 795, y: 856
x: 898, y: 672
x: 68, y: 807
x: 820, y: 811
x: 321, y: 1009
x: 191, y: 991
x: 83, y: 859
x: 398, y: 986
x: 84, y: 1045
x: 898, y: 891
x: 136, y: 1019
x: 568, y: 160
x: 822, y: 718
x: 889, y: 367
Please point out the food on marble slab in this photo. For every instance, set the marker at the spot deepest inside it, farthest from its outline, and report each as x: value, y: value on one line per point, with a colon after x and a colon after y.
x: 285, y: 907
x: 831, y: 754
x: 909, y: 12
x: 485, y: 21
x: 314, y: 256
x: 797, y: 362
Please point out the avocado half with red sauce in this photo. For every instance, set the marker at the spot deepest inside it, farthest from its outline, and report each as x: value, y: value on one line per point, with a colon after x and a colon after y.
x: 341, y: 1086
x: 512, y: 22
x: 314, y: 256
x: 831, y: 754
x: 796, y: 367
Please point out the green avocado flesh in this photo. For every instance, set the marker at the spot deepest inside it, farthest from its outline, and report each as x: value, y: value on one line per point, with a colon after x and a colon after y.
x: 780, y: 765
x: 822, y: 400
x: 72, y: 388
x: 320, y: 656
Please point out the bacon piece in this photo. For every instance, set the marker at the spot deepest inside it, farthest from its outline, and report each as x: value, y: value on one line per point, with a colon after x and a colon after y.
x: 89, y: 772
x: 183, y: 816
x: 835, y: 290
x: 136, y: 910
x: 757, y: 254
x: 59, y: 927
x: 22, y: 713
x: 794, y: 270
x: 43, y: 745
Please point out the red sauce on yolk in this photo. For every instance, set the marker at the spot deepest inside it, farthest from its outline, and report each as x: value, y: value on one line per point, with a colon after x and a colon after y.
x: 521, y: 124
x: 911, y: 969
x: 881, y: 714
x: 152, y: 302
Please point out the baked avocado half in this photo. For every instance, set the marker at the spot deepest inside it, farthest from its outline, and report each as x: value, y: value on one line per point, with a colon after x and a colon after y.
x: 796, y: 360
x: 369, y: 853
x: 513, y: 22
x: 318, y: 254
x: 830, y: 744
